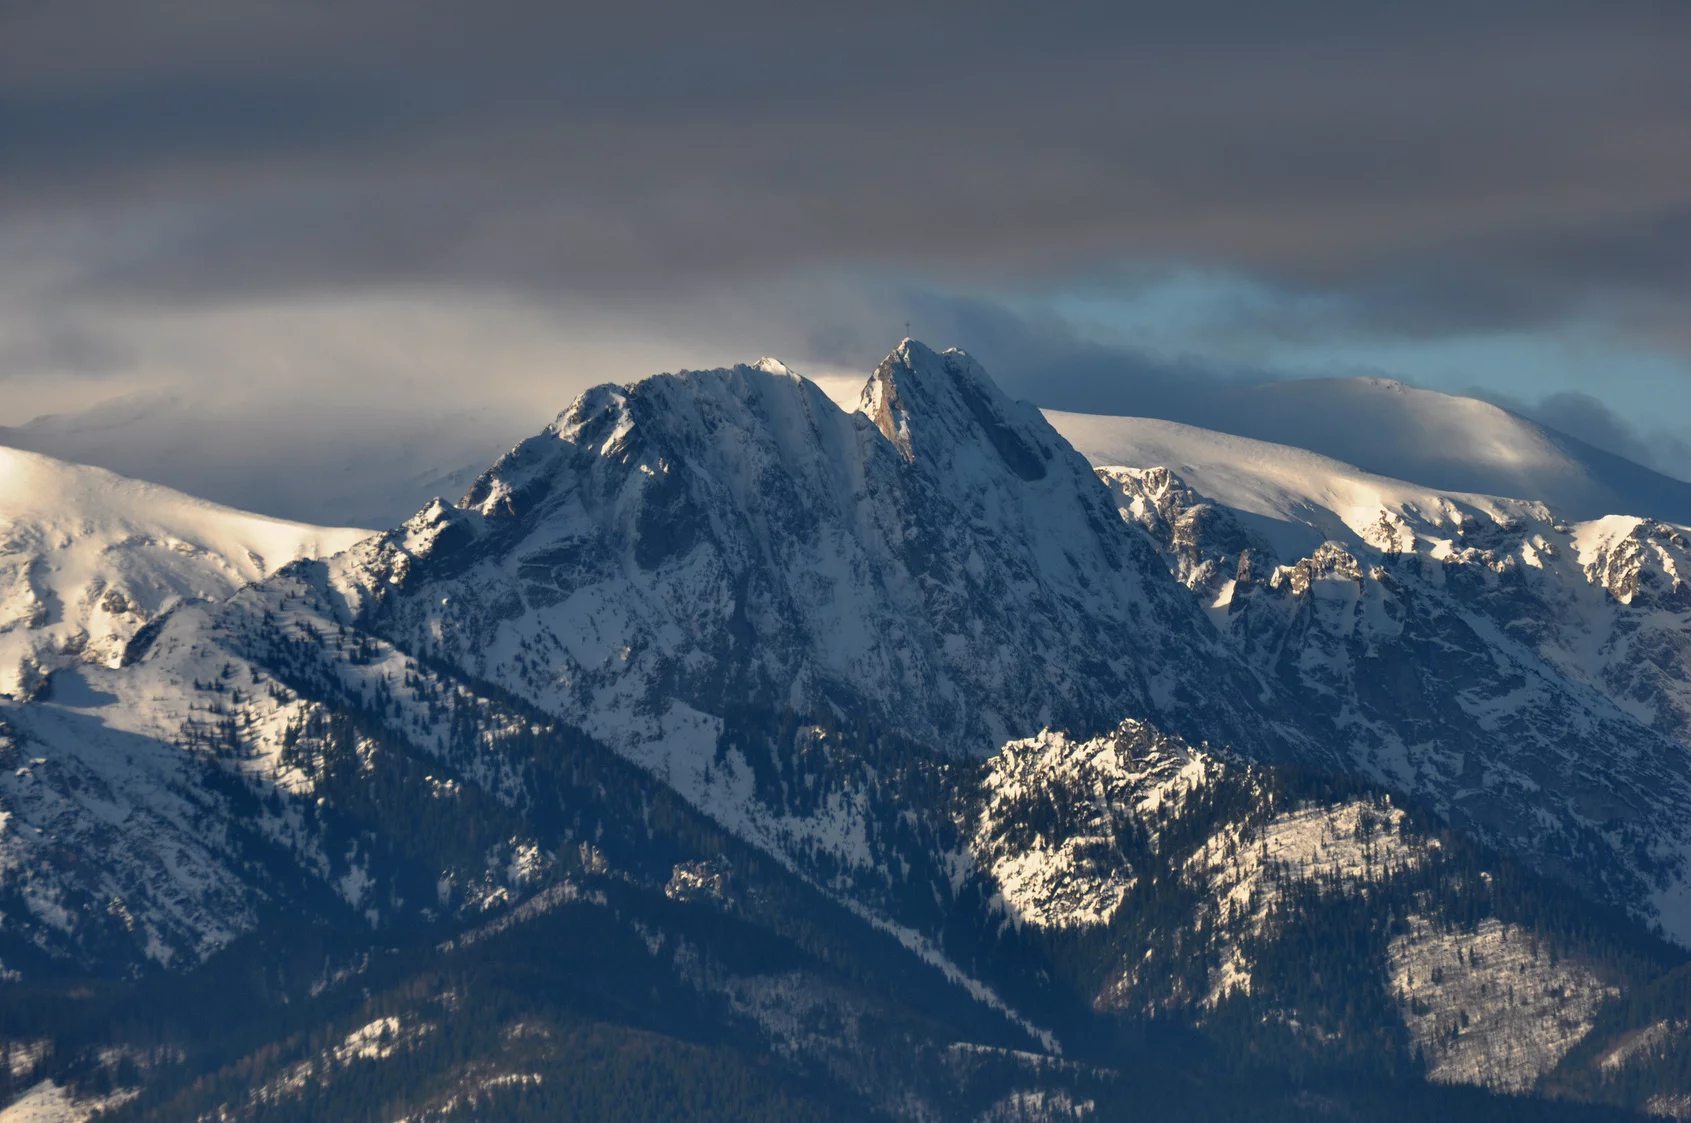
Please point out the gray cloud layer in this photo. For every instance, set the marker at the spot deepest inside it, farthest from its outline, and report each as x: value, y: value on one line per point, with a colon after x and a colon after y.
x: 1456, y: 164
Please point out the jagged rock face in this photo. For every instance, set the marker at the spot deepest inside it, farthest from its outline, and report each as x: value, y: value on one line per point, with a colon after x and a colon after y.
x: 1063, y: 832
x: 1527, y: 676
x: 1059, y: 820
x: 1637, y: 650
x: 941, y: 562
x: 1203, y: 541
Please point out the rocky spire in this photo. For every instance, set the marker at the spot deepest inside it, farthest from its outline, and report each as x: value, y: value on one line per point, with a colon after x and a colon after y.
x: 928, y: 403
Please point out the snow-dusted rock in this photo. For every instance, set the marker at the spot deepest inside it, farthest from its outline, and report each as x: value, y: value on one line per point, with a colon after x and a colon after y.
x: 1053, y: 814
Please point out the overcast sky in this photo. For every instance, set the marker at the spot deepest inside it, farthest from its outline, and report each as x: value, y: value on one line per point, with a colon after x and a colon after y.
x: 362, y: 216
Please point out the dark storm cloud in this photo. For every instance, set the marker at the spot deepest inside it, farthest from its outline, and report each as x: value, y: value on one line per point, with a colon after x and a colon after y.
x: 64, y: 345
x: 1453, y: 166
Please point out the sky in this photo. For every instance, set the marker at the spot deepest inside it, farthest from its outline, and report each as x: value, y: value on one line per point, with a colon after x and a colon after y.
x: 412, y: 231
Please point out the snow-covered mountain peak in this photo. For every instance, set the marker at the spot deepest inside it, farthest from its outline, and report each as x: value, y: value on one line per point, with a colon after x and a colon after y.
x: 88, y: 557
x: 706, y: 536
x: 1000, y: 459
x: 666, y: 420
x: 769, y: 365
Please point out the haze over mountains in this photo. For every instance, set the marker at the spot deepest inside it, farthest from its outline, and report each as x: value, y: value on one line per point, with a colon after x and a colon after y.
x: 375, y: 466
x: 934, y: 758
x: 343, y: 466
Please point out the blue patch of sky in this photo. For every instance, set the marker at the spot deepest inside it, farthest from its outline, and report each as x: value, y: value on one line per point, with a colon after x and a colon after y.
x: 1230, y: 321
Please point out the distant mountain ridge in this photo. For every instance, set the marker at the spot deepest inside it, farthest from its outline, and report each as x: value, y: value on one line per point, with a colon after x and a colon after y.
x: 89, y: 558
x: 372, y: 466
x: 1441, y: 441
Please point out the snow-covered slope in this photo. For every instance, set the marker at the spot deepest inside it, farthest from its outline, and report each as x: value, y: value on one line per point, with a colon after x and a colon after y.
x: 1440, y: 441
x: 88, y: 558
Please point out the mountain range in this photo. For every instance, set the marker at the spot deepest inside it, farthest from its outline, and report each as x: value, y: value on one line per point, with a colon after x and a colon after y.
x: 726, y: 753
